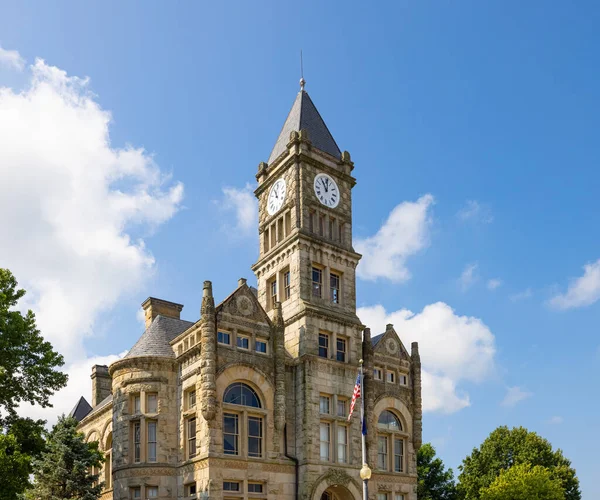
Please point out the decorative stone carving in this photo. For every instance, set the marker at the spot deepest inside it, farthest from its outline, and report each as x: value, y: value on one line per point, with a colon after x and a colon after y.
x: 337, y: 476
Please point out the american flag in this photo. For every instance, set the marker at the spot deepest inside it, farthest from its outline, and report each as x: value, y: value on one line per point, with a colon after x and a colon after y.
x: 355, y: 395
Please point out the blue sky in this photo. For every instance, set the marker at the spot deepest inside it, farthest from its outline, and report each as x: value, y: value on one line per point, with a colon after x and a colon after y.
x: 486, y: 112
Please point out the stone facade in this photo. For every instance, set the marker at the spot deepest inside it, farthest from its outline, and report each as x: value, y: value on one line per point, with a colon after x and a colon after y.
x: 251, y: 400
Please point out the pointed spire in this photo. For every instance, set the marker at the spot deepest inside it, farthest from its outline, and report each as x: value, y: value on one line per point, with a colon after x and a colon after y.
x: 305, y: 116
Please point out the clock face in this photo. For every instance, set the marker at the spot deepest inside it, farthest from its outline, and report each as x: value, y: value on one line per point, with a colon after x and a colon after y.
x: 276, y: 196
x: 327, y: 190
x: 392, y: 346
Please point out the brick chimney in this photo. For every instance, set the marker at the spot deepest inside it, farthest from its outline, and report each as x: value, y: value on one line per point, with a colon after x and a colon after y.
x: 153, y: 307
x: 101, y: 384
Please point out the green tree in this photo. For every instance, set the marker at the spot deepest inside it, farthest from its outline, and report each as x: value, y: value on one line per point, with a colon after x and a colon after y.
x: 505, y: 448
x: 27, y: 362
x: 14, y: 468
x: 435, y: 483
x: 63, y: 470
x: 524, y: 482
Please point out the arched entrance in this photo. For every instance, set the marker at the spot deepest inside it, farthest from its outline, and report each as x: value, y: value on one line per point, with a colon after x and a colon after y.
x: 336, y: 493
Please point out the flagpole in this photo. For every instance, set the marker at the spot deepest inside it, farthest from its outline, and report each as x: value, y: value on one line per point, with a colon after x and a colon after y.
x: 365, y: 472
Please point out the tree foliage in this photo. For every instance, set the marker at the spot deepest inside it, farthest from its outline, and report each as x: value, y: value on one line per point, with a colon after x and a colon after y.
x: 63, y: 471
x: 524, y: 482
x: 14, y: 468
x: 27, y: 362
x: 435, y: 483
x: 505, y: 448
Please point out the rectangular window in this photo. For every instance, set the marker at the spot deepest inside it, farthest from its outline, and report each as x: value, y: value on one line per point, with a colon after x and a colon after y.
x: 311, y: 221
x: 273, y: 232
x: 136, y: 442
x: 260, y: 346
x: 321, y: 225
x: 331, y: 228
x: 243, y: 342
x: 317, y: 282
x: 280, y: 229
x: 382, y: 496
x: 136, y: 404
x: 403, y: 379
x: 340, y: 349
x: 325, y: 436
x: 255, y: 435
x: 342, y: 408
x: 151, y: 403
x: 287, y: 285
x: 342, y: 444
x: 390, y: 377
x: 151, y: 491
x: 399, y: 496
x: 255, y: 487
x: 378, y: 374
x: 191, y: 437
x: 398, y: 455
x: 190, y: 489
x: 382, y: 452
x: 266, y: 240
x: 224, y: 338
x: 231, y: 433
x: 136, y: 492
x: 191, y: 399
x: 334, y: 288
x: 323, y: 345
x: 288, y: 223
x: 231, y: 486
x: 324, y: 404
x: 272, y: 292
x: 151, y: 441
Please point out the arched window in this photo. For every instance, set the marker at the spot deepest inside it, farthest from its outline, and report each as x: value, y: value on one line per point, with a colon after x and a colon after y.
x: 241, y: 394
x: 243, y: 421
x: 391, y: 442
x: 108, y: 463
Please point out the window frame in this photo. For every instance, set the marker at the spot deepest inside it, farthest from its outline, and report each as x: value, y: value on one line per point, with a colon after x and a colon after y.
x: 327, y: 336
x: 272, y: 291
x: 344, y: 445
x: 287, y: 285
x: 322, y: 426
x: 137, y: 441
x: 334, y: 291
x: 148, y: 396
x: 191, y: 446
x: 223, y: 333
x: 322, y: 398
x: 263, y: 342
x: 391, y: 437
x: 378, y: 371
x: 344, y: 352
x: 317, y: 286
x: 148, y: 488
x: 191, y: 394
x: 243, y: 338
x: 151, y: 444
x: 390, y: 377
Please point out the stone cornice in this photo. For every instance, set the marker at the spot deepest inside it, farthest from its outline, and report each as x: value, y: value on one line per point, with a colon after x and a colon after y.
x: 125, y: 362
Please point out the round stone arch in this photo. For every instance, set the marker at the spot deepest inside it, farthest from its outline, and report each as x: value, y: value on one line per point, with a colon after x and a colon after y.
x: 105, y: 433
x: 341, y: 481
x: 93, y: 433
x: 398, y: 407
x: 250, y: 375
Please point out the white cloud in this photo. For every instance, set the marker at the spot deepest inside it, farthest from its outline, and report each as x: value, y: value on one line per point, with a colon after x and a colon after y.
x: 469, y: 276
x: 140, y: 316
x: 556, y: 420
x: 404, y: 233
x: 11, y: 59
x: 453, y: 349
x: 79, y: 384
x: 70, y: 200
x: 494, y: 283
x: 525, y: 294
x: 475, y: 211
x: 244, y: 206
x: 515, y: 395
x: 583, y: 291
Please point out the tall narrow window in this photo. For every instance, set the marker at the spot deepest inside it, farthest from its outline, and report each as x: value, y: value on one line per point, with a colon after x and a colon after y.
x: 323, y: 345
x: 317, y: 281
x: 151, y: 441
x: 231, y: 434
x: 136, y: 403
x: 321, y: 225
x: 280, y: 229
x: 342, y: 408
x: 341, y: 349
x: 325, y: 435
x: 273, y: 292
x: 331, y: 228
x: 191, y: 399
x: 342, y: 444
x: 151, y: 403
x: 341, y: 232
x: 288, y: 223
x: 266, y: 239
x: 255, y: 436
x: 382, y: 445
x: 287, y: 285
x: 191, y: 437
x: 324, y: 404
x: 398, y: 455
x: 311, y: 221
x: 334, y: 288
x: 273, y: 232
x: 136, y: 442
x: 136, y: 492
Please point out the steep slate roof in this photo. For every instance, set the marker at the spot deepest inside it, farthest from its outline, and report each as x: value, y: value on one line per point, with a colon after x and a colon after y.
x: 375, y: 340
x: 81, y: 409
x: 304, y: 115
x: 155, y: 340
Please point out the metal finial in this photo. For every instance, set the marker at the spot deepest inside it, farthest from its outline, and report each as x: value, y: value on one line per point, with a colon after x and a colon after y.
x: 302, y: 80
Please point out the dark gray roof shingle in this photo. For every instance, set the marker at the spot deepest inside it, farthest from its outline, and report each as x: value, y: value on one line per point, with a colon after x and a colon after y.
x: 155, y: 340
x: 304, y: 115
x: 81, y: 409
x: 375, y: 340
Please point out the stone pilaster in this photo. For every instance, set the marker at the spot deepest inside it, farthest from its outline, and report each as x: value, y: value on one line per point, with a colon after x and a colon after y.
x: 208, y: 354
x: 369, y: 394
x: 278, y: 336
x: 417, y: 403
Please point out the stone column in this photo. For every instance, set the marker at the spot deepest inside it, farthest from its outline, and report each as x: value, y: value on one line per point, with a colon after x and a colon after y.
x: 369, y: 394
x: 208, y: 354
x: 277, y: 334
x: 417, y: 403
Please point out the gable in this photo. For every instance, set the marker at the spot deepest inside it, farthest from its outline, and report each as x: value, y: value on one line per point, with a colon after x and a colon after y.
x: 389, y: 344
x: 242, y: 307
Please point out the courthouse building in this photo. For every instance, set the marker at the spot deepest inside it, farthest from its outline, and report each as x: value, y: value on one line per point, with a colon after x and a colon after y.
x: 250, y: 401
